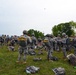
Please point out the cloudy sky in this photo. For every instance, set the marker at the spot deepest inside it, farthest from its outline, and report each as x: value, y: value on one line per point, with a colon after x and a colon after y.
x: 42, y: 15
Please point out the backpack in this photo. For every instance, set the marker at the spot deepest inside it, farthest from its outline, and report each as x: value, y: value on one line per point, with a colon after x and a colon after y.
x: 59, y: 71
x: 22, y: 41
x: 72, y: 59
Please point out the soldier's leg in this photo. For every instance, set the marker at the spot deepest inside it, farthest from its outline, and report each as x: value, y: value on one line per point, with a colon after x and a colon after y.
x: 25, y: 53
x: 64, y: 51
x: 19, y: 57
x: 20, y: 53
x: 49, y: 56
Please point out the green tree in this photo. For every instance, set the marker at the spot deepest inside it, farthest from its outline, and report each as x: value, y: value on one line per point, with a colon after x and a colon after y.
x: 37, y: 33
x: 68, y: 28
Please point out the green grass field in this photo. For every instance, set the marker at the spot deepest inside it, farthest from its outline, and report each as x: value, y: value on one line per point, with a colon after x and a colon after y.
x: 8, y: 65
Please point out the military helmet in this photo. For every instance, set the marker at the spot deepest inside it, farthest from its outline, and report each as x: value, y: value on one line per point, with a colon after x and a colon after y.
x: 25, y: 32
x: 63, y: 34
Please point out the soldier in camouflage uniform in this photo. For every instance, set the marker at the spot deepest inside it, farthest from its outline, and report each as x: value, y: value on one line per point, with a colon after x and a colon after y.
x: 68, y: 43
x: 52, y: 42
x: 58, y: 42
x: 34, y: 41
x: 63, y: 41
x: 23, y: 44
x: 32, y: 45
x: 48, y: 45
x: 74, y: 45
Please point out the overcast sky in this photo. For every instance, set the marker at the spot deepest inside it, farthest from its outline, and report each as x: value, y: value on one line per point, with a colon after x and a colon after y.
x: 42, y: 15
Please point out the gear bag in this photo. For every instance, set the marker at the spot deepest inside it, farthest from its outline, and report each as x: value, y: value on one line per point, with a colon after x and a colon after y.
x: 72, y: 59
x: 22, y: 41
x: 59, y: 71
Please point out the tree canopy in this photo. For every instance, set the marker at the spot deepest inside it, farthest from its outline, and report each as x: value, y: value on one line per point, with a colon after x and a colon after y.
x: 68, y: 28
x: 37, y: 33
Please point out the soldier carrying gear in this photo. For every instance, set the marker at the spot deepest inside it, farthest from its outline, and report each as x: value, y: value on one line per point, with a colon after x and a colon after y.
x: 22, y: 41
x: 23, y: 45
x: 47, y: 44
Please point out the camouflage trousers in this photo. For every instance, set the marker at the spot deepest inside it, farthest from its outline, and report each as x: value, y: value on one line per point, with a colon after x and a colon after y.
x: 64, y: 51
x: 49, y: 54
x: 22, y: 53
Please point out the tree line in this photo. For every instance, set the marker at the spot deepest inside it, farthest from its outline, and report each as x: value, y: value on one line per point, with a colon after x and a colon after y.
x: 68, y: 28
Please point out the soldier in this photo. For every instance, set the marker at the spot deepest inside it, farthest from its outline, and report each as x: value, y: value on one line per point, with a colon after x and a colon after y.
x: 34, y: 41
x: 63, y: 41
x: 58, y: 42
x: 74, y: 45
x: 68, y: 43
x: 40, y: 45
x: 1, y: 41
x: 11, y: 45
x: 52, y: 42
x: 47, y: 44
x: 39, y: 42
x: 32, y: 45
x: 23, y: 44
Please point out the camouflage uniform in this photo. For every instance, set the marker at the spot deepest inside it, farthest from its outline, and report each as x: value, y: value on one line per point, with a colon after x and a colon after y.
x: 52, y: 42
x: 34, y: 41
x: 74, y: 45
x: 39, y: 43
x: 23, y: 44
x: 63, y: 41
x: 48, y: 45
x: 68, y: 43
x: 58, y: 42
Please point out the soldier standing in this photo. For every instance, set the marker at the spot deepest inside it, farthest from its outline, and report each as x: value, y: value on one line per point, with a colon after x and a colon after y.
x: 48, y: 45
x: 58, y: 42
x: 23, y: 44
x: 74, y: 45
x: 34, y: 41
x: 63, y: 41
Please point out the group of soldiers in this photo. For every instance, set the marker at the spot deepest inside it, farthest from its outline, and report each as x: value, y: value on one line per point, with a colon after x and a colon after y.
x: 49, y: 42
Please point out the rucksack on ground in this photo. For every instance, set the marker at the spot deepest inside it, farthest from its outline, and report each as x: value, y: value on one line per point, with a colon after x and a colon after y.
x: 71, y: 59
x: 59, y: 71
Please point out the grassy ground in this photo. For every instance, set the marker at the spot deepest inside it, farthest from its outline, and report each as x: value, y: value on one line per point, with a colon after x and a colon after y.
x: 8, y: 65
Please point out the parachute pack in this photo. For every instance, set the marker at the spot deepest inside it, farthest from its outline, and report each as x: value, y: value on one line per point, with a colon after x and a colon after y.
x: 22, y: 41
x: 45, y: 40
